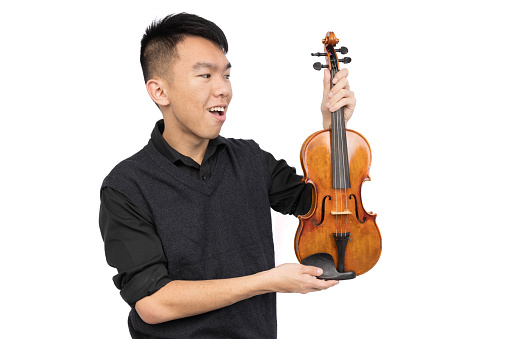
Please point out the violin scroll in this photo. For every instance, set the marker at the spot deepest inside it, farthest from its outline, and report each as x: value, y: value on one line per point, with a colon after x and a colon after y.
x: 329, y: 42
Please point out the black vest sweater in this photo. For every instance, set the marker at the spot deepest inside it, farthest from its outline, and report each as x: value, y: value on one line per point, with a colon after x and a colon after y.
x: 216, y: 229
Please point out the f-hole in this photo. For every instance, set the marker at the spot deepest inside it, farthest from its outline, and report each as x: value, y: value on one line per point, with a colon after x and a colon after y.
x: 323, y: 211
x: 357, y: 210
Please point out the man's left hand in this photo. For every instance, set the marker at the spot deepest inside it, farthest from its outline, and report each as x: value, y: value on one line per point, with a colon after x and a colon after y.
x: 339, y: 96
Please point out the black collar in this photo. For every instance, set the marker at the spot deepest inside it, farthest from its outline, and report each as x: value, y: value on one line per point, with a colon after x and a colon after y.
x: 215, y: 145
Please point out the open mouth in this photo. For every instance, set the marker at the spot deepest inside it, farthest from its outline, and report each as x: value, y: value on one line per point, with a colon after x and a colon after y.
x: 218, y: 110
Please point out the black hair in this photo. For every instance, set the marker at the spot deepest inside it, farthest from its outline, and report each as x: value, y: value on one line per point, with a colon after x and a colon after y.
x: 159, y: 43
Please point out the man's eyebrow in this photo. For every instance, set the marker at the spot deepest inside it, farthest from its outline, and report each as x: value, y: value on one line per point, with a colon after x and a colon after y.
x: 208, y: 65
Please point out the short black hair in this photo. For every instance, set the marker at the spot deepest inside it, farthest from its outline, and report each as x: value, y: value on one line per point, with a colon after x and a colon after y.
x: 159, y: 43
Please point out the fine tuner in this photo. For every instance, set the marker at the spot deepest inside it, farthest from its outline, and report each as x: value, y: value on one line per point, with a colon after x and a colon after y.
x: 343, y: 50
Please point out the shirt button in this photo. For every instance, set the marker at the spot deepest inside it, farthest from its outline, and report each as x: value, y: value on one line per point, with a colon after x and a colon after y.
x: 204, y: 178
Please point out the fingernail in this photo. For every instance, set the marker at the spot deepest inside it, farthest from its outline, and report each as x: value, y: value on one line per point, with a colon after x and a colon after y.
x: 330, y: 94
x: 319, y: 272
x: 327, y: 105
x: 335, y: 80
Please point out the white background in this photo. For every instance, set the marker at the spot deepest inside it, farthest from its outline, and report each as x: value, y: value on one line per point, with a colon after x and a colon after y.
x: 430, y: 78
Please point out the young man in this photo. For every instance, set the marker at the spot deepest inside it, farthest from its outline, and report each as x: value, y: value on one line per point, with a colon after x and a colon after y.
x: 186, y: 220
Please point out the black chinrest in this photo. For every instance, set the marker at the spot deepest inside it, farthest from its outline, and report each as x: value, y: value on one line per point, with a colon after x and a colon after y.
x: 326, y: 263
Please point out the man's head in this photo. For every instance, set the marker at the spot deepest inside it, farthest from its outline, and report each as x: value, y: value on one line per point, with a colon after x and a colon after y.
x: 187, y: 75
x: 158, y: 46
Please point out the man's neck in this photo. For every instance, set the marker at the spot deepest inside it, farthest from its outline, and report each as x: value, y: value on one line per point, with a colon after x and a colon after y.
x: 195, y: 149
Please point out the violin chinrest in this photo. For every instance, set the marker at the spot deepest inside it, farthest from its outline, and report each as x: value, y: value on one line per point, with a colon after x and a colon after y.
x: 326, y: 263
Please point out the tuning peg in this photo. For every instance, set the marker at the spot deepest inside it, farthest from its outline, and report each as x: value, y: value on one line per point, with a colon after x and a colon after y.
x: 345, y: 60
x: 342, y: 50
x: 318, y: 66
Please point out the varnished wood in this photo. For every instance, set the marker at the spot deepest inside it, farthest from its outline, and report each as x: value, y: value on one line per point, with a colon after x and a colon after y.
x: 363, y: 251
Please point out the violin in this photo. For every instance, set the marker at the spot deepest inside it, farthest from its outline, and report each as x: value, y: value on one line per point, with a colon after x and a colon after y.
x: 337, y: 234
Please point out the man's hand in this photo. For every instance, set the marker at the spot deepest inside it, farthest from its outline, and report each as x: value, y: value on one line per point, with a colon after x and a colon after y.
x: 339, y: 96
x: 296, y: 278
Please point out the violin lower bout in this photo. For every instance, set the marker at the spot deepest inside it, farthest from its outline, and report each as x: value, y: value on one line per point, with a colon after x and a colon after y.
x: 362, y: 251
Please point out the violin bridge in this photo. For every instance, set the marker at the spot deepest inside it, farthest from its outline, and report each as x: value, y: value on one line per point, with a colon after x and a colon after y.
x: 340, y: 213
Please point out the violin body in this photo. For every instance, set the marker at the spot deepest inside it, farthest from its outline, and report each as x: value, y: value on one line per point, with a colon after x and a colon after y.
x: 365, y: 246
x: 337, y: 234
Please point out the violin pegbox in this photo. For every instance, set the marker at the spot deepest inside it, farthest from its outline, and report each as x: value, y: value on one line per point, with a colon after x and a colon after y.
x: 329, y: 42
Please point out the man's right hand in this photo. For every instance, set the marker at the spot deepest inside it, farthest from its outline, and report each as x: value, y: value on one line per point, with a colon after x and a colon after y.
x: 297, y: 278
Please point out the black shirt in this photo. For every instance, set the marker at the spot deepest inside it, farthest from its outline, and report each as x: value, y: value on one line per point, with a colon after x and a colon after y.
x: 144, y: 271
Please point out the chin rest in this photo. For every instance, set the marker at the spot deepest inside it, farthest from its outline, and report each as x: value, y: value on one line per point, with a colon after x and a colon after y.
x: 326, y: 263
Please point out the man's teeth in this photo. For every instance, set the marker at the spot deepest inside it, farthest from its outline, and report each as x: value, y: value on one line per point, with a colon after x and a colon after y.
x: 216, y: 109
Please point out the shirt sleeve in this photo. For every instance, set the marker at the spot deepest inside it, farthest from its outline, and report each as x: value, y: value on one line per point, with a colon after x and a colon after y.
x: 288, y: 194
x: 132, y: 246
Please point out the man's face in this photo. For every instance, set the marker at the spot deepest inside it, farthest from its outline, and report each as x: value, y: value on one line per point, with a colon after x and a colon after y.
x: 199, y: 90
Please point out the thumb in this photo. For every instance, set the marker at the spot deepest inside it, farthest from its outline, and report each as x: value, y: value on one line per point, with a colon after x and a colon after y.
x: 314, y: 271
x: 326, y: 82
x: 319, y: 272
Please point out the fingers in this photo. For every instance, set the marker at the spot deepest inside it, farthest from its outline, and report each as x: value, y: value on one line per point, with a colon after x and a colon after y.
x: 340, y: 95
x: 325, y: 284
x: 297, y: 278
x: 341, y: 84
x: 341, y: 75
x: 345, y: 99
x: 317, y: 284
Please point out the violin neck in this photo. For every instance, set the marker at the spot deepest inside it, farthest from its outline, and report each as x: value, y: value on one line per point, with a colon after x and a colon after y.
x: 339, y: 149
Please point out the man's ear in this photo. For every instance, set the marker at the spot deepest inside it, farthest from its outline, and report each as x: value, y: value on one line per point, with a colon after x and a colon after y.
x: 157, y: 88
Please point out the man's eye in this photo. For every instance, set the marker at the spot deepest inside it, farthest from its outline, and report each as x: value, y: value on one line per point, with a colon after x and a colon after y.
x: 205, y: 76
x: 227, y: 76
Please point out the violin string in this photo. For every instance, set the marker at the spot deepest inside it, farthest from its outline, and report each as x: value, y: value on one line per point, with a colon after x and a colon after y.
x: 342, y: 165
x: 341, y: 168
x: 338, y: 168
x: 344, y: 168
x: 335, y: 140
x: 339, y: 163
x: 339, y: 145
x: 337, y: 185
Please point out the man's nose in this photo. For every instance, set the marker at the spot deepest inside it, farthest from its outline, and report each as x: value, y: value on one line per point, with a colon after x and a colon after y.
x: 222, y: 87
